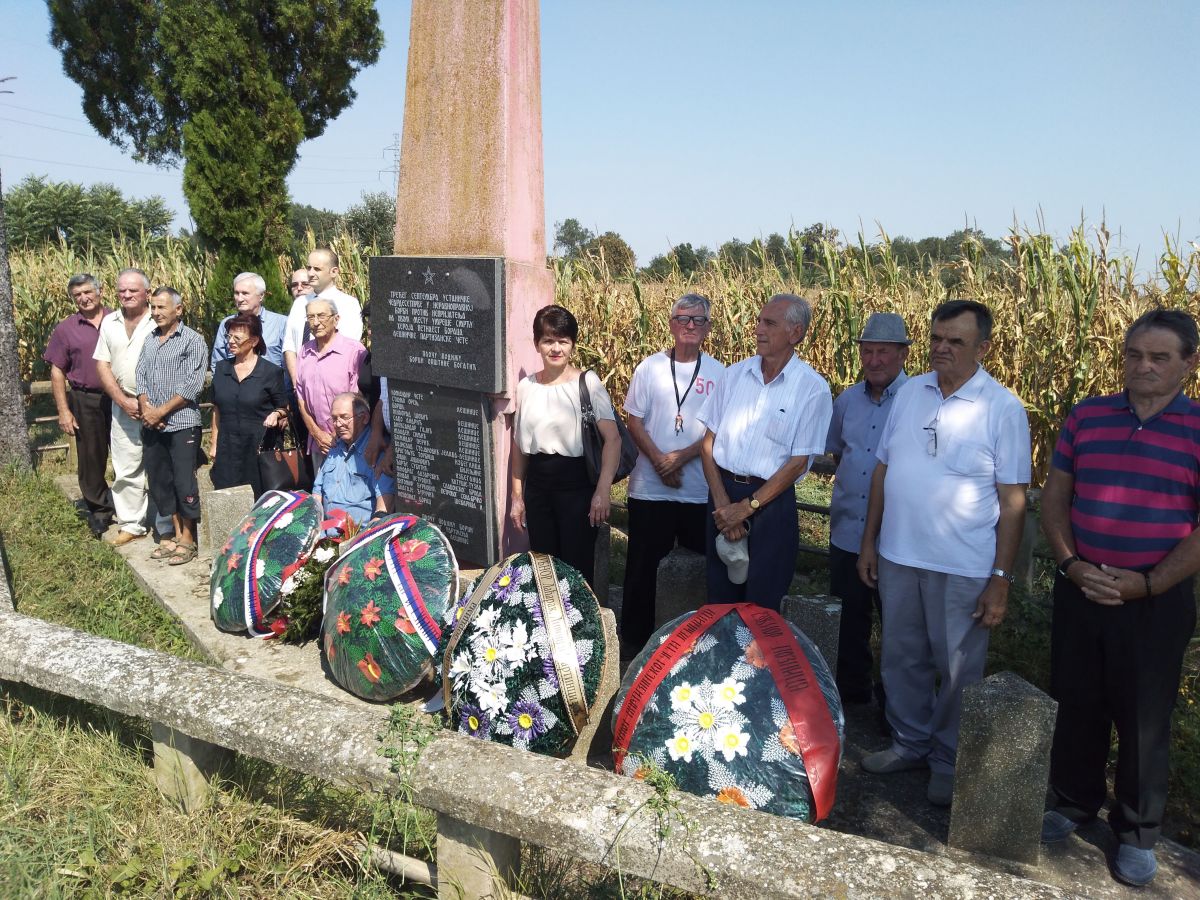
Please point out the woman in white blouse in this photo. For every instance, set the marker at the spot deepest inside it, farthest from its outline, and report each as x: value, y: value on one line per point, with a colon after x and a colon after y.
x: 552, y: 495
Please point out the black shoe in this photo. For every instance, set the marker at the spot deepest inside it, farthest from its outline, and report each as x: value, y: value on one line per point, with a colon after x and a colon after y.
x: 97, y: 525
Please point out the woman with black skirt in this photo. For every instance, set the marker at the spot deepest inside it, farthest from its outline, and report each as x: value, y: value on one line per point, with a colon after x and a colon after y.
x: 248, y: 398
x: 552, y: 495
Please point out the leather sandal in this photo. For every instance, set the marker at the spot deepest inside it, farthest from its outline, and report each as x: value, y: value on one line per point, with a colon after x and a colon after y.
x: 184, y: 553
x: 165, y: 550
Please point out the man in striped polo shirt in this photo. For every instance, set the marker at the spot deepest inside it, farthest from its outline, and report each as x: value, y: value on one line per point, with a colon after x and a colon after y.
x: 1120, y: 511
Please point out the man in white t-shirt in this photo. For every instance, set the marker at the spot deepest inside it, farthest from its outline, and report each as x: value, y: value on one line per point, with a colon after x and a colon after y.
x: 667, y: 491
x: 766, y: 419
x: 947, y: 507
x: 322, y: 277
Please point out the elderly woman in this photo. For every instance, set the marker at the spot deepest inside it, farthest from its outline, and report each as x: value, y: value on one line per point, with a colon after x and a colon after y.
x: 326, y: 366
x: 552, y: 495
x: 248, y: 398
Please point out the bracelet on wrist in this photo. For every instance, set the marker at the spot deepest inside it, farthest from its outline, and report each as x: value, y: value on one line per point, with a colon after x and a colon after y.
x: 1065, y: 566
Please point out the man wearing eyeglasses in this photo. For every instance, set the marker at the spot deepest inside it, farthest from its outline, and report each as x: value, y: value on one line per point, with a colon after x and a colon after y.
x: 944, y: 520
x: 327, y: 366
x: 323, y: 271
x: 667, y: 491
x: 249, y: 291
x: 298, y: 284
x: 346, y: 481
x: 766, y: 419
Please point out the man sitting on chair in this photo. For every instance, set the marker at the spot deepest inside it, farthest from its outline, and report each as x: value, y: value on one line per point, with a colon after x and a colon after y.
x: 346, y: 481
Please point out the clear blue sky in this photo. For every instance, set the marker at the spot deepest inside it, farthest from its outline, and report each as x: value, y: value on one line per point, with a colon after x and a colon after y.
x: 701, y: 121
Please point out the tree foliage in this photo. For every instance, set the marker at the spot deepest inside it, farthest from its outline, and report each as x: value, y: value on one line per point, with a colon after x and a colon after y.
x: 230, y: 86
x: 14, y: 435
x: 372, y: 221
x: 41, y: 211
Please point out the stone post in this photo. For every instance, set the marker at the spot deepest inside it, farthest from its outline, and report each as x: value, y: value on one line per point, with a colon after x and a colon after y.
x: 471, y: 176
x: 820, y: 618
x: 1003, y: 768
x: 681, y: 585
x: 221, y: 511
x: 183, y: 766
x: 474, y: 862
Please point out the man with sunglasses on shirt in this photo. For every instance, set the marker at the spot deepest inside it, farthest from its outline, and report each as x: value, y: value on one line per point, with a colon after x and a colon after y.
x: 667, y: 490
x: 944, y: 520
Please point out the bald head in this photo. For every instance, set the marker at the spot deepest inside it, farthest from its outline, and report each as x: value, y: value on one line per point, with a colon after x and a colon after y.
x: 322, y: 269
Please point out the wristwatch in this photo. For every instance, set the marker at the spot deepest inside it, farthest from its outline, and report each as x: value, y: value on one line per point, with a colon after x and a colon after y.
x: 754, y: 504
x: 1065, y: 565
x: 1007, y: 576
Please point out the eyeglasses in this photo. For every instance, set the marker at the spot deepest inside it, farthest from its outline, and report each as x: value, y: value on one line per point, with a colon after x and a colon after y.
x: 698, y: 321
x: 236, y: 338
x: 931, y: 447
x: 320, y: 317
x: 296, y: 284
x: 338, y: 420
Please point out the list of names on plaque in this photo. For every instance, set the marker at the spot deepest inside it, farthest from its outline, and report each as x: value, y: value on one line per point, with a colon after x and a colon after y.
x: 443, y: 464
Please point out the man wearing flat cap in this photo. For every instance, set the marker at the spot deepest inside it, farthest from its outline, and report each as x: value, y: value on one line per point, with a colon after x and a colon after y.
x: 859, y: 414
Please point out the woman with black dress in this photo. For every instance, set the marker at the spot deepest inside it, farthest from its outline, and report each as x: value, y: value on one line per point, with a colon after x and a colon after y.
x: 248, y: 397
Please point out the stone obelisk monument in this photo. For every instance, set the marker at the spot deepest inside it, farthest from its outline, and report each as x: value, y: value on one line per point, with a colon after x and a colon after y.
x: 470, y: 267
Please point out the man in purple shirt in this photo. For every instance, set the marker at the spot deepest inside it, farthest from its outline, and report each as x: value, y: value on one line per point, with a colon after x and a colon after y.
x: 85, y: 412
x: 327, y: 366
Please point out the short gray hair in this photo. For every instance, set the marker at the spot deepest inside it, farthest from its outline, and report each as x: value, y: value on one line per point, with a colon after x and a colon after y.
x: 798, y: 312
x: 83, y: 278
x: 691, y: 301
x: 134, y: 271
x: 323, y: 302
x: 357, y: 400
x: 259, y: 284
x: 175, y: 296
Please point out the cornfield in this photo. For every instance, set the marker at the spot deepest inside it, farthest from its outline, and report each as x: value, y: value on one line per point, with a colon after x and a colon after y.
x: 1060, y: 311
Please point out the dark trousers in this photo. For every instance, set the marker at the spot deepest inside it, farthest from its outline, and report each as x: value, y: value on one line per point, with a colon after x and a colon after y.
x: 1116, y: 665
x: 855, y: 664
x: 774, y: 543
x: 558, y: 495
x: 170, y: 459
x: 654, y: 526
x: 93, y: 414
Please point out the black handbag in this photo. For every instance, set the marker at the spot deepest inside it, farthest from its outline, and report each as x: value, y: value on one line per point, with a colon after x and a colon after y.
x: 281, y: 468
x: 593, y: 442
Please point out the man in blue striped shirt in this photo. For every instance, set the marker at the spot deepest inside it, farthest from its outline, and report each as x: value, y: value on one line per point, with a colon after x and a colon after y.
x: 249, y: 292
x: 170, y: 376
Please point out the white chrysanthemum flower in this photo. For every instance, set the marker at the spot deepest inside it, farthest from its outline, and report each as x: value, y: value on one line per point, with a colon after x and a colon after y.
x: 682, y: 695
x: 324, y: 554
x: 460, y: 669
x: 680, y: 746
x: 485, y: 618
x: 260, y: 566
x: 218, y: 597
x: 728, y: 693
x: 284, y: 521
x: 288, y: 586
x: 491, y: 662
x: 732, y: 742
x: 271, y: 501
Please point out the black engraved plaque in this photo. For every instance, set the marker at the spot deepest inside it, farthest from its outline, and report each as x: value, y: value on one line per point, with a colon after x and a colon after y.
x: 445, y: 466
x: 439, y: 320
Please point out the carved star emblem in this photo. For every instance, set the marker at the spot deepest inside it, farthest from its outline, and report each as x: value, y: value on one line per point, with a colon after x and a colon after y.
x: 428, y: 273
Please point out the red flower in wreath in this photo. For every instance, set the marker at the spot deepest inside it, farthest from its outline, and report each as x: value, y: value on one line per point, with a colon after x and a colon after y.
x: 234, y: 562
x: 343, y: 623
x: 344, y: 575
x: 370, y: 668
x: 279, y: 626
x: 372, y: 568
x: 732, y: 796
x: 370, y: 614
x: 403, y: 624
x: 412, y: 550
x: 228, y: 545
x: 247, y: 526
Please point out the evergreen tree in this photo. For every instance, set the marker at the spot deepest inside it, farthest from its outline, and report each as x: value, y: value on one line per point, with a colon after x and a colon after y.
x: 230, y: 86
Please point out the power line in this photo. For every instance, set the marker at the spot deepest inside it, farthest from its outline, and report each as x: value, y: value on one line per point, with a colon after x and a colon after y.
x: 54, y: 162
x: 47, y: 127
x: 40, y: 112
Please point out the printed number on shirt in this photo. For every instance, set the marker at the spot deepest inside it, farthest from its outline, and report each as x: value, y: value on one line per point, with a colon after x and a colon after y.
x: 704, y: 386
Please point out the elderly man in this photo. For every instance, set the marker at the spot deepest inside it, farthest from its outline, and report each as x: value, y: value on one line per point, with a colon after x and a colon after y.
x: 859, y: 414
x: 249, y: 291
x: 328, y: 366
x: 118, y: 347
x: 346, y: 481
x: 170, y: 376
x: 667, y: 492
x: 947, y: 507
x: 765, y: 419
x: 298, y: 284
x: 1119, y: 510
x: 322, y: 282
x: 86, y: 412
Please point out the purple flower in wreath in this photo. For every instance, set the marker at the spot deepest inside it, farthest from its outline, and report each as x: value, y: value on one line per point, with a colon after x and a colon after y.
x: 549, y: 672
x: 506, y: 583
x: 526, y: 720
x: 475, y: 722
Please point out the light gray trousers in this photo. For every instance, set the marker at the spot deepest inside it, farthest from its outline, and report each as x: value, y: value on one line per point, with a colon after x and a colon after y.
x: 932, y: 649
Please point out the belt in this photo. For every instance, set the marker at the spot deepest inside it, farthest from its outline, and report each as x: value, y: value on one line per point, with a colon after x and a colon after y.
x: 742, y: 479
x: 87, y: 390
